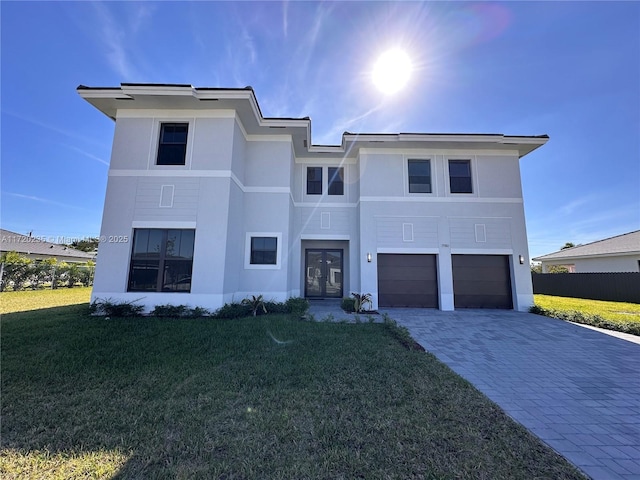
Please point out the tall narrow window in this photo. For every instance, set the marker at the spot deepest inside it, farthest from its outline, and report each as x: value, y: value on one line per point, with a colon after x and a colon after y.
x: 172, y: 146
x: 314, y: 180
x: 264, y: 251
x: 460, y: 176
x: 419, y: 176
x: 336, y: 181
x: 161, y: 260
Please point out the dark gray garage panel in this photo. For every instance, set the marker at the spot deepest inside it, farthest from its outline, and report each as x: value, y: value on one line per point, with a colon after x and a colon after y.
x: 481, y: 281
x: 407, y: 280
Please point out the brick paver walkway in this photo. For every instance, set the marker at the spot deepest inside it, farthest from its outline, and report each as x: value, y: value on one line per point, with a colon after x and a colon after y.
x: 575, y: 388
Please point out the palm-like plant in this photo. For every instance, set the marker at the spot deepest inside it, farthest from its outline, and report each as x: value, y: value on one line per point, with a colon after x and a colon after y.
x: 255, y: 303
x: 361, y: 299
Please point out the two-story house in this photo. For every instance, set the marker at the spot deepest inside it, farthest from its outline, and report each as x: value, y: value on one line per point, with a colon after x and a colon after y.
x: 208, y: 202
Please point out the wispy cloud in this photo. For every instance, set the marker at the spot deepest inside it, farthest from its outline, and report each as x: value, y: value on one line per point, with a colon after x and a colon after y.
x: 575, y: 204
x: 285, y: 18
x: 44, y: 200
x: 114, y: 38
x: 346, y: 124
x: 87, y: 154
x: 53, y: 128
x: 249, y: 45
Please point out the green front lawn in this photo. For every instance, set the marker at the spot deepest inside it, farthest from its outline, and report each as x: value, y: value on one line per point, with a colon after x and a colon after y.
x: 612, y: 311
x: 271, y: 397
x: 618, y: 316
x: 46, y: 298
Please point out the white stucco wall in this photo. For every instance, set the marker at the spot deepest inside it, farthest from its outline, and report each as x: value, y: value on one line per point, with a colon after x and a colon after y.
x: 443, y: 223
x: 234, y: 185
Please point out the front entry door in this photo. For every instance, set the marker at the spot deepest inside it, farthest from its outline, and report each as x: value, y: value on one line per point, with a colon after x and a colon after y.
x: 323, y: 273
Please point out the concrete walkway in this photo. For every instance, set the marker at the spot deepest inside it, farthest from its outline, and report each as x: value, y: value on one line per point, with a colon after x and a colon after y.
x: 575, y: 388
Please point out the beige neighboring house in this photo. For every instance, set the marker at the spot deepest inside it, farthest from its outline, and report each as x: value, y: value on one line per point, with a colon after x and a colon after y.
x: 616, y: 254
x: 36, y: 248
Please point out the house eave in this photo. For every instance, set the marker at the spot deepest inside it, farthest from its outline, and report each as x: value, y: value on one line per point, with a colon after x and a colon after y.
x: 585, y: 257
x: 243, y: 100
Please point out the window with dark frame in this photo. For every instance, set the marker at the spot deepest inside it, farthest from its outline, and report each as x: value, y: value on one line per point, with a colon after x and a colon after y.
x: 161, y: 260
x: 314, y: 180
x: 264, y: 251
x: 172, y: 145
x: 460, y: 176
x: 419, y: 176
x: 336, y: 180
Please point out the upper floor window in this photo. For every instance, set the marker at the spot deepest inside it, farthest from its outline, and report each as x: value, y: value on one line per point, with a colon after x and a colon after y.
x: 172, y: 147
x: 419, y: 176
x: 264, y: 251
x: 314, y: 180
x: 460, y: 176
x: 336, y: 181
x: 161, y: 260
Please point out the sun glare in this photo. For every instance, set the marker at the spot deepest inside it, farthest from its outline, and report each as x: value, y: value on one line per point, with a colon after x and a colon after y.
x: 392, y: 71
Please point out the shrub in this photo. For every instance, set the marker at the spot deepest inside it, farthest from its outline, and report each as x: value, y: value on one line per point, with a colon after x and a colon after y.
x: 360, y: 300
x: 296, y: 305
x: 109, y: 308
x: 255, y: 304
x: 197, y: 312
x: 233, y: 310
x: 348, y: 304
x: 275, y: 307
x: 587, y: 319
x: 178, y: 311
x: 171, y: 311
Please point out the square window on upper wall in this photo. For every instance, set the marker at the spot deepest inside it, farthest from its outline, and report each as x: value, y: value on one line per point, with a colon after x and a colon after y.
x: 419, y: 176
x: 336, y: 181
x: 314, y: 180
x: 460, y: 176
x: 172, y: 145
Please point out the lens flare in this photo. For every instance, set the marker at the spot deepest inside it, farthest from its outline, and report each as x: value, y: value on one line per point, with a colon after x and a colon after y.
x: 392, y: 71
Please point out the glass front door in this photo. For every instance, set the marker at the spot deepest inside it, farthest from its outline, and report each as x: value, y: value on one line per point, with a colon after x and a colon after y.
x: 323, y: 273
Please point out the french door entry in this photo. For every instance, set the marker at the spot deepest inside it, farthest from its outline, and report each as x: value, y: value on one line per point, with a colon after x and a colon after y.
x: 323, y: 273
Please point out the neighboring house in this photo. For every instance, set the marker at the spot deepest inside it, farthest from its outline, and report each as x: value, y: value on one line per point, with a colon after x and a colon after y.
x: 208, y: 202
x: 615, y: 254
x: 36, y: 248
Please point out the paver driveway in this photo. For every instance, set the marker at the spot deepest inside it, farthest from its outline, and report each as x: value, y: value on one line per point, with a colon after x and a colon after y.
x: 575, y: 388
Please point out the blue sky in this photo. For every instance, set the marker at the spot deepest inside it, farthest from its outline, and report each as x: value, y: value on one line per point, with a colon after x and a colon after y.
x: 567, y: 69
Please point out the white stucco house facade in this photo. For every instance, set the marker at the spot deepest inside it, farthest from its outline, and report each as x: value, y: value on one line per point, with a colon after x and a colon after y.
x: 208, y: 202
x: 609, y: 255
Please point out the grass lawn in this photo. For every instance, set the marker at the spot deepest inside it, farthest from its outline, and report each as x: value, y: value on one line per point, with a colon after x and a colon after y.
x: 85, y: 397
x: 34, y: 300
x: 612, y: 311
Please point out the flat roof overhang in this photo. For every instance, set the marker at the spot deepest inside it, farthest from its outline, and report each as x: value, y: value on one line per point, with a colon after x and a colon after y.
x: 136, y: 96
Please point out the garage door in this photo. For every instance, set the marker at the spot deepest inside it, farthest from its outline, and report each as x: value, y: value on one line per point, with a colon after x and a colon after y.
x: 481, y: 281
x: 407, y: 280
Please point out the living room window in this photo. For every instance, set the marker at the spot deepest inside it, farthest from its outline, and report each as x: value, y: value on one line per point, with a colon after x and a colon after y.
x: 161, y: 260
x: 314, y: 180
x: 336, y: 180
x: 460, y: 176
x: 419, y: 176
x: 264, y: 250
x: 172, y: 145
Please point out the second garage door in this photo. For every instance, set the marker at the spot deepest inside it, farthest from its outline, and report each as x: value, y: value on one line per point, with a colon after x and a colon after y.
x: 481, y: 281
x: 407, y: 280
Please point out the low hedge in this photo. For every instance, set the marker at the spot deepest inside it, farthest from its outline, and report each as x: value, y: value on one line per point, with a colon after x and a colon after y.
x: 588, y: 319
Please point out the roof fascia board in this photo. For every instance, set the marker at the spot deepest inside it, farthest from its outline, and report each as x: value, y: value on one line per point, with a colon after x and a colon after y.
x: 586, y: 257
x: 431, y: 151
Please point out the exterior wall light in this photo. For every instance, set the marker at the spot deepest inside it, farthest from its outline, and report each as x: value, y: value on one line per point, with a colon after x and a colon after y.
x: 369, y: 257
x: 521, y: 258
